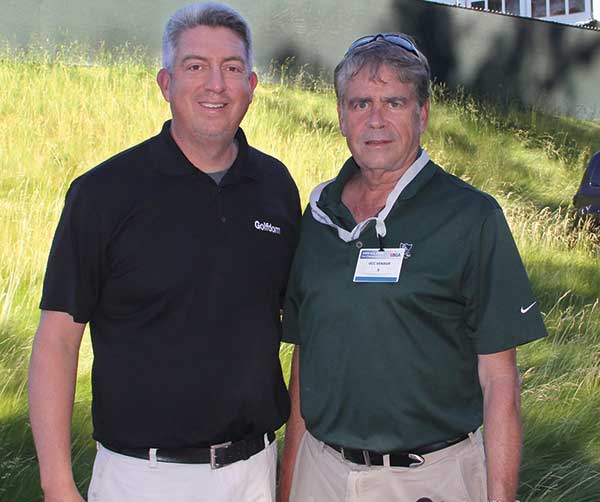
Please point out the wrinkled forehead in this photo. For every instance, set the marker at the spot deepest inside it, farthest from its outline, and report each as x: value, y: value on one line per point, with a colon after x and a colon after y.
x: 378, y: 72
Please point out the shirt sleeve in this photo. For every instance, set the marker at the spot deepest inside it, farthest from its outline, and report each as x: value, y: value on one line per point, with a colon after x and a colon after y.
x: 291, y: 331
x: 296, y: 215
x: 504, y: 312
x: 76, y: 263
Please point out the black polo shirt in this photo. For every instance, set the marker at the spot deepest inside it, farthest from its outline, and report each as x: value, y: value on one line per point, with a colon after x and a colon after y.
x: 181, y: 281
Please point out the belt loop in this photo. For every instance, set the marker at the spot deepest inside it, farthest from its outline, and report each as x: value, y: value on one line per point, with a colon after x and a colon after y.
x: 266, y: 437
x: 472, y: 438
x: 386, y: 460
x: 152, y: 458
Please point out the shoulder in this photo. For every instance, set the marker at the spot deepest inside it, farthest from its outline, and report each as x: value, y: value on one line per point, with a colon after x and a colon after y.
x: 269, y: 166
x: 110, y: 189
x: 123, y: 168
x: 276, y: 182
x: 455, y: 191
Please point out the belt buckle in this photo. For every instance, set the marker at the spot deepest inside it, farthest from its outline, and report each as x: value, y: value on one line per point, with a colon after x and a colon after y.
x: 419, y: 460
x: 213, y: 454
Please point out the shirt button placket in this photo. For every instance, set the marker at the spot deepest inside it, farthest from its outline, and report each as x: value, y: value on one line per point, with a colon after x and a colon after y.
x: 222, y: 219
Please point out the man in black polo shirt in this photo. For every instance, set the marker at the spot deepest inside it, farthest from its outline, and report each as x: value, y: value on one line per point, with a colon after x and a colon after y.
x: 176, y: 252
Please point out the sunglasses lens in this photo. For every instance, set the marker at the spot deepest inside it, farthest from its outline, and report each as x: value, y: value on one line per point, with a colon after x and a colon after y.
x: 360, y: 42
x: 388, y: 37
x: 401, y: 42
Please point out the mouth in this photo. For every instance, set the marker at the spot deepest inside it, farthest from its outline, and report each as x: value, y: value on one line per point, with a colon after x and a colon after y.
x: 213, y: 106
x: 377, y: 142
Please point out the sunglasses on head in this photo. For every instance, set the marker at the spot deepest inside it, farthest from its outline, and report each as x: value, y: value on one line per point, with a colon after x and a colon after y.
x: 392, y: 38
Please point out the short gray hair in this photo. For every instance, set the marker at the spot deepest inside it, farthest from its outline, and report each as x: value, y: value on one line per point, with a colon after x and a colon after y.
x: 408, y: 67
x: 211, y: 14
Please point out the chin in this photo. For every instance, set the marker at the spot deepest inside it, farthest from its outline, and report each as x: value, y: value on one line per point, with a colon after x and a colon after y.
x: 378, y: 164
x: 213, y: 133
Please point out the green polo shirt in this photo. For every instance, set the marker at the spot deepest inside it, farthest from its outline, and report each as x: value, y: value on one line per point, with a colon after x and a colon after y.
x: 393, y: 366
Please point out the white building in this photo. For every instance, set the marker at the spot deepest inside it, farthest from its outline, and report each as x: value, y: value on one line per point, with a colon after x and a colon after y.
x: 578, y: 12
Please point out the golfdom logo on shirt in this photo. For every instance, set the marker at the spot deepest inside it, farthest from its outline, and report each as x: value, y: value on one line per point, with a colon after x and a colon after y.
x: 267, y: 227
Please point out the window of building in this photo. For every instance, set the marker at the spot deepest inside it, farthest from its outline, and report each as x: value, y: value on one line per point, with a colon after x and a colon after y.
x: 513, y: 7
x: 558, y: 8
x: 576, y: 6
x: 538, y: 8
x: 535, y: 8
x: 506, y: 6
x: 549, y: 8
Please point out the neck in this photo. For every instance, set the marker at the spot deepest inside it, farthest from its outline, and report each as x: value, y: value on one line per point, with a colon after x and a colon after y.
x: 206, y: 154
x: 378, y: 180
x: 384, y: 179
x: 367, y: 192
x: 365, y: 196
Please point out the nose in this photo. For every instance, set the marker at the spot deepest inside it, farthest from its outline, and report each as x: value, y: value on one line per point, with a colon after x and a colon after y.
x: 376, y: 117
x: 215, y: 81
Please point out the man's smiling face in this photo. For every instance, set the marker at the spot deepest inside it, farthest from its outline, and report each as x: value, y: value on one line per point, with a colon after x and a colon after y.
x: 210, y: 85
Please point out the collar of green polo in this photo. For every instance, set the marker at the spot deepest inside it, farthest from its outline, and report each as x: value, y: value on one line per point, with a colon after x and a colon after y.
x: 328, y: 195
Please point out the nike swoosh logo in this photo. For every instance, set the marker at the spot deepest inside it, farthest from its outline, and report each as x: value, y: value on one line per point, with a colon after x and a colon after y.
x: 525, y: 310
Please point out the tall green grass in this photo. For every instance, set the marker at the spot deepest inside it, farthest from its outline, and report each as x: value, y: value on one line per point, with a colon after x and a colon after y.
x: 61, y: 115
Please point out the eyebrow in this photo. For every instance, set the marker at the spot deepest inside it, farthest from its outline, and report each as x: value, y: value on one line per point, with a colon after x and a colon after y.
x: 385, y: 99
x: 389, y: 99
x: 360, y: 99
x: 191, y: 57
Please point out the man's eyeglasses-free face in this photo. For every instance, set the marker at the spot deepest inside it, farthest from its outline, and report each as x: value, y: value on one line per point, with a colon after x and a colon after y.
x: 392, y: 38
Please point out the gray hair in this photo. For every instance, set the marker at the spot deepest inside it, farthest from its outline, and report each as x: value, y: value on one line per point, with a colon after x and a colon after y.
x: 210, y: 14
x: 409, y: 68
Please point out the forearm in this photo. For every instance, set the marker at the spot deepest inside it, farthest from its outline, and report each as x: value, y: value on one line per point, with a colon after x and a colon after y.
x: 52, y: 377
x: 294, y: 431
x: 502, y: 437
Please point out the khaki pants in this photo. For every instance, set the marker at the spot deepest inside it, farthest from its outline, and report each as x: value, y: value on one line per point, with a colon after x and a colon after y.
x: 454, y: 474
x: 118, y: 478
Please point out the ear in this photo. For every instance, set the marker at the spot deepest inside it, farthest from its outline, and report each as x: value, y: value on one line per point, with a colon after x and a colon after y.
x: 341, y: 120
x: 253, y: 82
x: 424, y: 117
x: 163, y: 79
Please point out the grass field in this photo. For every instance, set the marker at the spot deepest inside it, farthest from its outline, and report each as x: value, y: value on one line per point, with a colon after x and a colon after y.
x: 60, y: 119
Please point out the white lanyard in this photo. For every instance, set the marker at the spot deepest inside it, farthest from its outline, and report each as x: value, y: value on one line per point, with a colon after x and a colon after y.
x: 347, y: 236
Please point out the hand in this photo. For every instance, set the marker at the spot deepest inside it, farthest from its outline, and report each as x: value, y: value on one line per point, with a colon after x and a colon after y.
x: 70, y: 495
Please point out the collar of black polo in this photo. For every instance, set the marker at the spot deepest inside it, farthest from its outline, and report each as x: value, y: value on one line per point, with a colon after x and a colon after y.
x: 169, y: 160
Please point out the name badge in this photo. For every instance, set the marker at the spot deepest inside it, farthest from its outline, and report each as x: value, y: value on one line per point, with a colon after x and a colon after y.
x: 374, y: 265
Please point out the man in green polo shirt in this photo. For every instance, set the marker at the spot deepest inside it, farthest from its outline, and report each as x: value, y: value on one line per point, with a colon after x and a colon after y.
x: 406, y: 301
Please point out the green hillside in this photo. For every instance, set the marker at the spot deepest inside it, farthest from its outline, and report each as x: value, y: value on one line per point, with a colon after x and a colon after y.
x: 59, y: 119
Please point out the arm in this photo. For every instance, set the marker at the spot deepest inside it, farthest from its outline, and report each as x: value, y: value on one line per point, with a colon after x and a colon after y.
x: 294, y: 431
x: 499, y: 378
x: 52, y: 377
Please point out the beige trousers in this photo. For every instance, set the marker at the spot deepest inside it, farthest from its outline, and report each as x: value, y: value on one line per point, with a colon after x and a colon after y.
x: 454, y: 474
x: 118, y: 478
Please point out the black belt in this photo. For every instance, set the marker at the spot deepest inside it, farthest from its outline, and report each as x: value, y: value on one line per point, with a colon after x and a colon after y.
x: 412, y: 458
x: 218, y: 455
